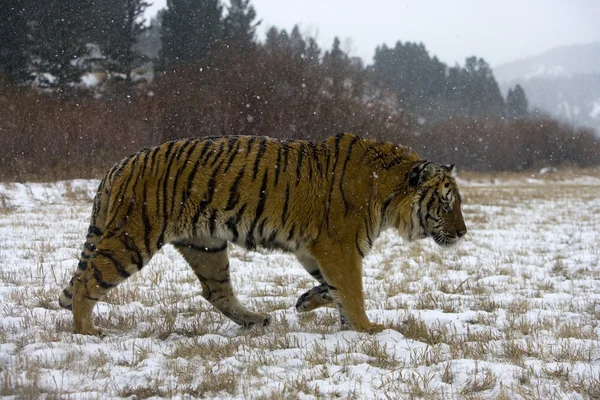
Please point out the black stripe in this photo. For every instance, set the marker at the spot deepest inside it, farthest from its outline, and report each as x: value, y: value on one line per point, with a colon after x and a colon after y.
x: 427, y: 207
x: 291, y: 233
x: 233, y: 191
x: 218, y: 155
x: 314, y: 152
x: 190, y: 183
x: 180, y: 169
x: 316, y: 274
x: 360, y: 252
x: 212, y: 222
x: 286, y: 151
x: 121, y: 194
x: 136, y: 255
x: 207, y: 153
x: 348, y: 155
x: 89, y: 246
x: 120, y: 269
x: 93, y: 231
x: 164, y: 179
x: 261, y: 228
x: 234, y: 221
x: 153, y: 157
x: 99, y: 280
x: 210, y: 189
x: 333, y: 175
x: 232, y: 154
x: 278, y: 165
x: 299, y: 164
x: 368, y: 231
x: 262, y: 197
x: 259, y: 155
x: 285, y: 205
x: 271, y: 238
x: 67, y: 294
x: 249, y: 144
x: 327, y: 160
x: 82, y: 265
x: 205, y: 146
x: 146, y: 220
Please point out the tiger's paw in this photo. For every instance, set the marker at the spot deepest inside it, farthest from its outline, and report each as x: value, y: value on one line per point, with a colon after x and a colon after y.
x: 91, y: 331
x: 314, y: 298
x: 258, y: 319
x: 371, y: 328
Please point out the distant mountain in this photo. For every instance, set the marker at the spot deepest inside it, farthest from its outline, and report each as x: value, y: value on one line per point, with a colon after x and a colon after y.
x: 565, y: 82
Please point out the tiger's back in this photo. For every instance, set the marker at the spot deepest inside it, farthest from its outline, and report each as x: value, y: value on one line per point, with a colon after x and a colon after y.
x: 199, y: 194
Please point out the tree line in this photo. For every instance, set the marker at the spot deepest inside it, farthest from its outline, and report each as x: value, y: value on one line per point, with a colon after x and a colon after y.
x: 214, y: 77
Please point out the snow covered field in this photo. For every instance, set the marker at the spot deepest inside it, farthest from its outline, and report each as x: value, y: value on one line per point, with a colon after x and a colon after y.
x: 512, y: 312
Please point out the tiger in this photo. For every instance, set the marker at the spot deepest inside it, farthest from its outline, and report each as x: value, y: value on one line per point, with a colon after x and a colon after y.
x: 324, y: 201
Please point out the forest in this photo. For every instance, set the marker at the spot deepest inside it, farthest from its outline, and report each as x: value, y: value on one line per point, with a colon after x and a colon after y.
x: 84, y: 83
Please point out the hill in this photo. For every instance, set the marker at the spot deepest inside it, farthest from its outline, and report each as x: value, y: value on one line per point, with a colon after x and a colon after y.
x: 564, y: 82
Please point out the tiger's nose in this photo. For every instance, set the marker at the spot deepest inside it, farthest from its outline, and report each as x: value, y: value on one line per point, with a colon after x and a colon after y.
x: 461, y: 232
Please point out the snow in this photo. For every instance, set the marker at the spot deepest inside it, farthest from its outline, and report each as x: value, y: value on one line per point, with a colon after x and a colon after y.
x: 512, y: 311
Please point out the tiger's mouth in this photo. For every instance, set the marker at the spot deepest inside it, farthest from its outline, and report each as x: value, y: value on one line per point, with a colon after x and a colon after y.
x: 445, y: 240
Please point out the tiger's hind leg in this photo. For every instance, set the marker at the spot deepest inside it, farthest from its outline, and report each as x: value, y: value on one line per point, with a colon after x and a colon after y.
x: 318, y: 296
x: 65, y: 299
x: 210, y: 262
x: 115, y: 259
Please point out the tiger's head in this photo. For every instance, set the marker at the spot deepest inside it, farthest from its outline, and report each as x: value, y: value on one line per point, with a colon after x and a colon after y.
x: 435, y: 207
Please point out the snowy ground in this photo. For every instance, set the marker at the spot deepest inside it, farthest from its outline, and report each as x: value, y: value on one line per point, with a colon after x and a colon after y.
x: 512, y: 312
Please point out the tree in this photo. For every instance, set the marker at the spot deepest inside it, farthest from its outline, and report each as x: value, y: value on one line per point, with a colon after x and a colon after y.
x: 516, y: 103
x: 336, y: 65
x: 481, y: 91
x: 239, y: 26
x: 120, y: 24
x: 60, y: 32
x: 412, y: 75
x: 191, y: 30
x: 14, y: 46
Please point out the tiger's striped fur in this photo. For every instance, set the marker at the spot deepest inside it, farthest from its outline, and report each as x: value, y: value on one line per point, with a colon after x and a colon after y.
x: 324, y: 201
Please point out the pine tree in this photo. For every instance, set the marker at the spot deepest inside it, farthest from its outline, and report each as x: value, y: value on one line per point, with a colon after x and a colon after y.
x: 120, y: 24
x: 60, y: 32
x: 336, y: 65
x: 14, y: 45
x: 516, y: 103
x: 191, y: 30
x: 239, y: 26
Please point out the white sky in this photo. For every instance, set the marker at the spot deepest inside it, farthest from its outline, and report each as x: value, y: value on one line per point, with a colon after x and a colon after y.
x: 497, y: 30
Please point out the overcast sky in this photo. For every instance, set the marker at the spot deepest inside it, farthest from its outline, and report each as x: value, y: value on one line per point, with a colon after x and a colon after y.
x: 497, y: 30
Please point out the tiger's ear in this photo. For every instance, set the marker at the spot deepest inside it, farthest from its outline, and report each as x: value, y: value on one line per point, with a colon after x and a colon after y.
x: 421, y: 173
x: 450, y: 169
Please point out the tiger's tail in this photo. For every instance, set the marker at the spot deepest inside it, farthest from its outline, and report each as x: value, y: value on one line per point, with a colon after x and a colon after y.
x: 94, y: 234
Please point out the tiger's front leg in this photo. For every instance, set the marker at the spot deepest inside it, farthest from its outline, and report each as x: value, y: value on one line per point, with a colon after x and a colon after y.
x: 342, y: 272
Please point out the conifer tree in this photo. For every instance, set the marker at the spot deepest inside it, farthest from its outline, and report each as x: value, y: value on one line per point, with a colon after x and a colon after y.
x: 60, y: 32
x: 120, y: 22
x: 516, y: 103
x: 238, y: 26
x: 14, y: 42
x: 191, y: 30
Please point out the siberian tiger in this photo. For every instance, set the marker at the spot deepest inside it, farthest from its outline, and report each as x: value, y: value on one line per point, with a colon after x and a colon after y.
x: 325, y: 201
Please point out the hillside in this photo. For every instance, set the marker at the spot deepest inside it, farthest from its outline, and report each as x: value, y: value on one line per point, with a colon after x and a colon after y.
x: 564, y: 82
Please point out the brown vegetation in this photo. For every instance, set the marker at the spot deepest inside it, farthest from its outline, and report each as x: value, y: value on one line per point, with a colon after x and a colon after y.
x: 260, y: 91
